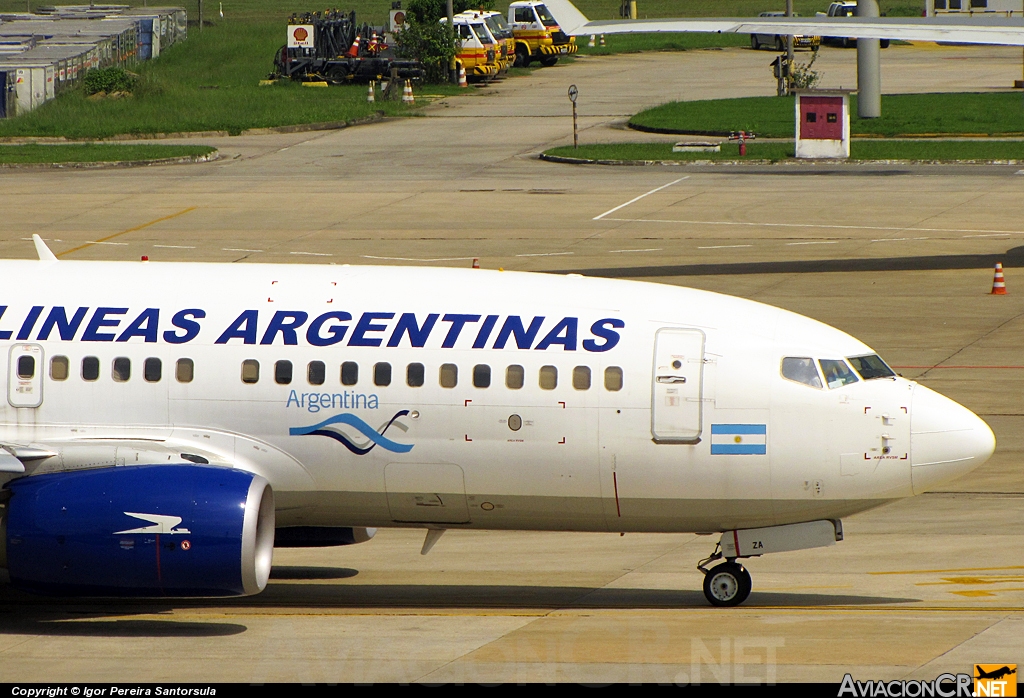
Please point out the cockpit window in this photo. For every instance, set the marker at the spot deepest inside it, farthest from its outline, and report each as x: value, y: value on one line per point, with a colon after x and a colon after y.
x: 837, y: 373
x: 801, y: 370
x: 870, y: 367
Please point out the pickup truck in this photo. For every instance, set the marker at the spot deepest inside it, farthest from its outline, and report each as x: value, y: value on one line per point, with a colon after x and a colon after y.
x: 844, y: 9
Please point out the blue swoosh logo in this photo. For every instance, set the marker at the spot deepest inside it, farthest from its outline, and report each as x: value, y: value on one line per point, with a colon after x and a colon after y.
x: 377, y: 438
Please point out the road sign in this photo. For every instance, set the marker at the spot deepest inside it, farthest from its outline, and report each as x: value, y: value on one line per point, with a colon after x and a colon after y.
x: 573, y: 94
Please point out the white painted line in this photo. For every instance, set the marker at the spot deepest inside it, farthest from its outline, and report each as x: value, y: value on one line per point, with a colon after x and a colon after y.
x: 237, y: 249
x: 988, y: 235
x: 910, y: 229
x: 44, y: 239
x: 1020, y: 172
x: 545, y: 254
x: 647, y: 249
x: 897, y: 239
x: 107, y: 243
x: 633, y: 201
x: 815, y: 242
x: 313, y: 254
x: 419, y: 259
x: 176, y: 247
x: 721, y: 247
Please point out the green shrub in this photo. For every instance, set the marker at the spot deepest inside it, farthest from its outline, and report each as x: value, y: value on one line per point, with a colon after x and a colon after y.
x: 108, y: 80
x: 431, y: 43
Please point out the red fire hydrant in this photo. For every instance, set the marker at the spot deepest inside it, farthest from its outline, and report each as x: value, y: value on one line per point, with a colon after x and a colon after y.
x: 742, y: 137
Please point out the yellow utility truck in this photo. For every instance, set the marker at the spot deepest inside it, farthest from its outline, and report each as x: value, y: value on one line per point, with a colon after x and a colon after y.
x: 538, y: 36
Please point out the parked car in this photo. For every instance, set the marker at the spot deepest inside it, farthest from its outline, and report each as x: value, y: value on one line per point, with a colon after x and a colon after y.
x: 845, y: 9
x: 778, y: 41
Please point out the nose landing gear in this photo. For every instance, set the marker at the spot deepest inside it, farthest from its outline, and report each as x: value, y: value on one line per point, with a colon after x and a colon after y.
x: 727, y: 584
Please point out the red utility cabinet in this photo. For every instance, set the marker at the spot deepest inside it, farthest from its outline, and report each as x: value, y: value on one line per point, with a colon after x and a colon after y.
x: 822, y: 123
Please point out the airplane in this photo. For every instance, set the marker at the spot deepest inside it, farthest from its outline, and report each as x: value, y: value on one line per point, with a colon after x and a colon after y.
x: 966, y: 28
x: 995, y: 674
x: 165, y: 425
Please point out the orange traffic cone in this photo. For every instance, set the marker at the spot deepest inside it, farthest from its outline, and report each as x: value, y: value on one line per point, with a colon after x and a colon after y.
x: 462, y: 77
x: 476, y: 262
x: 373, y: 43
x: 407, y: 97
x: 602, y: 39
x: 998, y: 282
x: 354, y: 51
x: 369, y: 94
x: 593, y: 41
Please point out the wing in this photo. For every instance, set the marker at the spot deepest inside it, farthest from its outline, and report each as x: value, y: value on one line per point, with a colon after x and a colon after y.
x: 1007, y: 31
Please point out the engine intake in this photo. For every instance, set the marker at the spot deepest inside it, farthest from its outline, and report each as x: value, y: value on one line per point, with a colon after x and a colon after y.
x: 141, y: 530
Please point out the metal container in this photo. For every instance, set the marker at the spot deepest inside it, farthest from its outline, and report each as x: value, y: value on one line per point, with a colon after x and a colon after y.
x: 33, y: 84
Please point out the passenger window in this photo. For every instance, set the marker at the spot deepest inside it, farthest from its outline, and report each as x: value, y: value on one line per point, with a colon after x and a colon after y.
x: 59, y: 368
x: 581, y: 378
x: 613, y: 378
x: 152, y: 370
x: 283, y: 372
x: 90, y: 368
x: 414, y: 375
x: 548, y: 377
x: 514, y: 377
x: 250, y: 371
x: 837, y: 373
x: 481, y: 376
x: 870, y: 367
x: 26, y: 366
x: 349, y: 373
x: 382, y: 373
x: 184, y: 370
x: 316, y: 373
x: 122, y: 369
x: 801, y: 370
x: 448, y: 375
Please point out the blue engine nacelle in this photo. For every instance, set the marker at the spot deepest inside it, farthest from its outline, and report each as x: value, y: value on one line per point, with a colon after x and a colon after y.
x: 146, y: 530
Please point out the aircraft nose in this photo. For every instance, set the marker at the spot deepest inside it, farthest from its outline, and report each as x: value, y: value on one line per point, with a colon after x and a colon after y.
x: 947, y: 440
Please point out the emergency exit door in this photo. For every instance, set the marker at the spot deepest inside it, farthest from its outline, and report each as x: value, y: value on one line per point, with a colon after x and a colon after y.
x: 25, y: 375
x: 678, y: 375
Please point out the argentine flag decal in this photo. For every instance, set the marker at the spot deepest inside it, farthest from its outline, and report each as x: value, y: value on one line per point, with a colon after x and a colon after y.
x: 739, y: 439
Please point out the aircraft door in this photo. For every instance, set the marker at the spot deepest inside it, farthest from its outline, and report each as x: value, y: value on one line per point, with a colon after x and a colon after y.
x: 25, y: 375
x: 677, y: 388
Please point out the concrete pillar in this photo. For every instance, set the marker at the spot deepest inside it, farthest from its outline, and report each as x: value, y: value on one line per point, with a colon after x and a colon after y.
x: 789, y: 50
x: 869, y: 74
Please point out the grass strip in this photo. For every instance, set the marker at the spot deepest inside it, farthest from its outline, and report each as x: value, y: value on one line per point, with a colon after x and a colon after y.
x: 986, y: 113
x: 95, y: 152
x: 859, y: 150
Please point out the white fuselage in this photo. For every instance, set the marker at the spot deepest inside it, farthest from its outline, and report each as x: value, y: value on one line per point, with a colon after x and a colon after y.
x: 642, y: 407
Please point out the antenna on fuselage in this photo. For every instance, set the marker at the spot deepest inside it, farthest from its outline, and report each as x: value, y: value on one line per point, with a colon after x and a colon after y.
x: 45, y: 255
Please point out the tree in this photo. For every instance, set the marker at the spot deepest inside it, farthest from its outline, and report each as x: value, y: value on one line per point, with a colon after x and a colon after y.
x: 431, y: 43
x: 425, y: 11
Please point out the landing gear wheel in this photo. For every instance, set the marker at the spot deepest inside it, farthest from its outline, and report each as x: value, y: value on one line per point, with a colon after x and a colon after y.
x: 754, y: 44
x: 548, y: 61
x: 727, y: 584
x: 780, y: 45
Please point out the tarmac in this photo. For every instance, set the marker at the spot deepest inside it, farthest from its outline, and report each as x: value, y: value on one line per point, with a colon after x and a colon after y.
x: 898, y: 256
